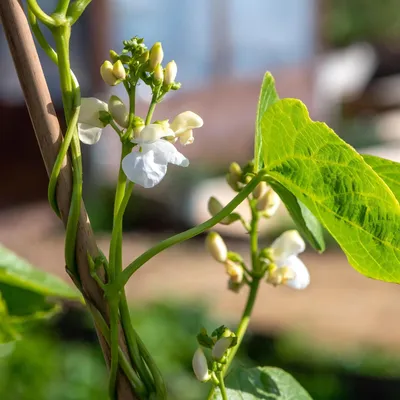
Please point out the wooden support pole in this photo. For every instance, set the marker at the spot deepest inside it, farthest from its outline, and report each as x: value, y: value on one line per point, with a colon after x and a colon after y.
x: 49, y: 137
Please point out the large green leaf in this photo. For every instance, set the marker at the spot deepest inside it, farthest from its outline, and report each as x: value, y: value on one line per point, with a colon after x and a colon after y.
x: 14, y: 271
x: 336, y: 185
x: 264, y: 383
x: 388, y: 170
x: 307, y: 224
x: 268, y: 96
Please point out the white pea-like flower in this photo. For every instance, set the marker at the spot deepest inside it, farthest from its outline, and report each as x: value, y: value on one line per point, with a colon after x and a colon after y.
x: 183, y: 125
x: 200, y: 366
x: 148, y: 166
x: 89, y: 124
x: 220, y: 347
x: 284, y: 252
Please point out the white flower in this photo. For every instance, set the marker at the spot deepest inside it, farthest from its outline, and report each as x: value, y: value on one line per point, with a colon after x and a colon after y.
x: 183, y: 125
x: 171, y: 70
x: 148, y: 166
x: 89, y: 124
x: 290, y: 269
x: 200, y: 366
x: 220, y: 347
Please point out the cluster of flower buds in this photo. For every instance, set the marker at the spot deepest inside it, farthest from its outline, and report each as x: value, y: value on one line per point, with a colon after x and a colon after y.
x: 220, y: 342
x: 216, y: 246
x: 112, y: 74
x: 283, y: 267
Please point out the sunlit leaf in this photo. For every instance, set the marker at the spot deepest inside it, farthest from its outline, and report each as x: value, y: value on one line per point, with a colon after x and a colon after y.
x: 268, y: 96
x: 334, y: 182
x: 388, y: 170
x: 308, y: 226
x: 264, y: 383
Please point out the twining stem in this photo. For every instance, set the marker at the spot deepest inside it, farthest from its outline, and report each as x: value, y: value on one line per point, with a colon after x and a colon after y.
x: 254, y: 285
x: 123, y: 278
x: 40, y: 14
x: 221, y: 385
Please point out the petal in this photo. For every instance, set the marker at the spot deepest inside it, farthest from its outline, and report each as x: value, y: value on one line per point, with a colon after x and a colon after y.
x: 152, y: 132
x: 186, y: 120
x: 89, y: 113
x: 167, y: 152
x: 302, y: 276
x: 200, y: 365
x: 290, y: 243
x: 89, y: 134
x: 143, y: 169
x: 186, y: 137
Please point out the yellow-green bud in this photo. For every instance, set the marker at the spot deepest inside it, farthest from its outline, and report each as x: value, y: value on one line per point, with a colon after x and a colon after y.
x: 114, y: 56
x: 233, y: 182
x: 119, y: 70
x: 171, y: 70
x: 144, y: 57
x: 268, y: 203
x: 216, y: 247
x: 106, y: 72
x: 118, y: 111
x: 156, y: 55
x: 260, y: 190
x: 235, y: 169
x: 158, y: 74
x: 214, y: 206
x: 235, y: 271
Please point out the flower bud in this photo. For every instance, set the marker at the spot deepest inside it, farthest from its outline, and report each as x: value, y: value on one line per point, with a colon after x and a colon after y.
x: 144, y: 57
x: 118, y: 111
x: 158, y: 74
x: 214, y: 206
x: 233, y: 182
x: 119, y: 70
x: 216, y: 247
x: 235, y: 271
x: 200, y: 366
x: 235, y: 287
x: 106, y: 72
x: 171, y: 70
x: 235, y: 169
x: 114, y: 56
x: 156, y: 55
x: 260, y: 190
x: 268, y: 203
x: 220, y: 347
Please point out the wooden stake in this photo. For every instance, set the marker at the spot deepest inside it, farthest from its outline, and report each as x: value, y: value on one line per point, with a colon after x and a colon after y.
x: 49, y: 137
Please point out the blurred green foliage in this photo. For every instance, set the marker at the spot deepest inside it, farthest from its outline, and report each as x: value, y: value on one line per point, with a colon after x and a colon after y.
x: 354, y: 20
x: 43, y: 366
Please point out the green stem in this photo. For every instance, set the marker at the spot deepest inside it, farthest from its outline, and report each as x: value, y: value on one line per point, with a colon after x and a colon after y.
x: 152, y: 107
x: 41, y: 15
x: 123, y: 278
x: 222, y: 386
x: 62, y: 7
x: 125, y: 365
x: 76, y: 9
x: 114, y: 345
x: 254, y: 285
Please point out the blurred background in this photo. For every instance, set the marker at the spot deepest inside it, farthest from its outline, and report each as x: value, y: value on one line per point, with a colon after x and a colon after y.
x: 341, y: 337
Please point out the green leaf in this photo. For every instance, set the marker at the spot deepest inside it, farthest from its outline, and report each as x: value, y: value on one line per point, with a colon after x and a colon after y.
x: 332, y: 180
x: 388, y: 170
x: 14, y: 271
x: 306, y: 223
x: 268, y: 96
x: 266, y: 383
